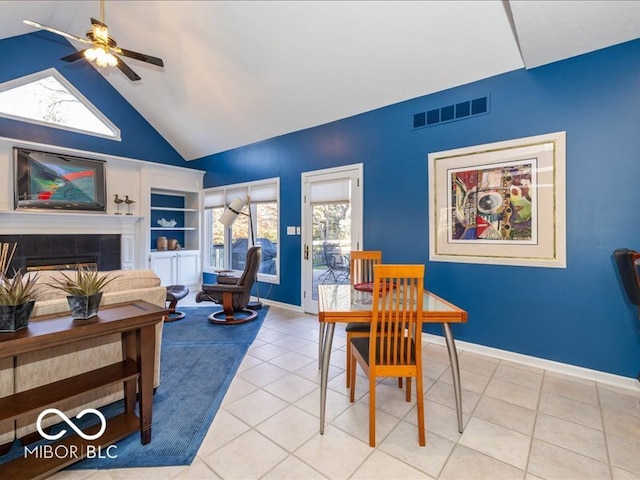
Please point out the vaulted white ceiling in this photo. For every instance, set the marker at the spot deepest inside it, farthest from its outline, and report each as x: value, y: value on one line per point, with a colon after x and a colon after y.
x: 237, y: 72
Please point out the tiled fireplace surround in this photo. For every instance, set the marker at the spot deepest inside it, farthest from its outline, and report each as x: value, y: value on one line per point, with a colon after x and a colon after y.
x: 48, y: 249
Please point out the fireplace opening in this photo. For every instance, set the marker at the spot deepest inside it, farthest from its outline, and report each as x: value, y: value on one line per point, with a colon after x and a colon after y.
x: 61, y: 263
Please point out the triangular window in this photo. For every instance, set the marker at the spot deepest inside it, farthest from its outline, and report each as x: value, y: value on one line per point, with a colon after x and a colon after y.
x: 47, y: 98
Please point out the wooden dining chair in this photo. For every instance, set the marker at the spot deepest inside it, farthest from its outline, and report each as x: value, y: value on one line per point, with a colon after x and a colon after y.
x: 361, y: 275
x: 394, y: 345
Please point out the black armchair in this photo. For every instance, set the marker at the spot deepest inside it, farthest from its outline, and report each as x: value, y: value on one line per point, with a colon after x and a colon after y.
x: 628, y: 262
x: 233, y: 293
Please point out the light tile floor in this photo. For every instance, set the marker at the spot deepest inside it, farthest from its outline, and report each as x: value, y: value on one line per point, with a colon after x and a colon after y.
x: 520, y: 422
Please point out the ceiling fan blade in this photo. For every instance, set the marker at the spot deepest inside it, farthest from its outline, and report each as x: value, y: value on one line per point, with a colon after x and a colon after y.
x: 124, y: 68
x: 74, y: 56
x: 97, y: 22
x: 55, y: 30
x: 141, y: 56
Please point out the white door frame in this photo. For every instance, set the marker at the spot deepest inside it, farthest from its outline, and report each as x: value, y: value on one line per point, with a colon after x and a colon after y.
x: 355, y: 173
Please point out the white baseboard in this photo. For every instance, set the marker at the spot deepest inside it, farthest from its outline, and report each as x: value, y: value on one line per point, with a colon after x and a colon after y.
x: 557, y: 367
x: 285, y: 306
x: 617, y: 381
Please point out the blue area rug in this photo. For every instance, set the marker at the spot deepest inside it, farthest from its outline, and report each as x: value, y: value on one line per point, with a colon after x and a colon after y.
x: 199, y: 360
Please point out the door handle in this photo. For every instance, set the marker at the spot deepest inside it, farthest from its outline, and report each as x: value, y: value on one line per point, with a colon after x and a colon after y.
x: 306, y: 252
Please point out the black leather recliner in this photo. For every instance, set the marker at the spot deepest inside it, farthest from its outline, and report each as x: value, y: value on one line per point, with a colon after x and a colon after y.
x: 628, y: 262
x: 233, y: 293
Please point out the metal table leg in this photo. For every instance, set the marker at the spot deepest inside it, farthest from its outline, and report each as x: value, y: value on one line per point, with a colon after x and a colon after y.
x: 324, y: 374
x: 455, y: 371
x: 321, y: 343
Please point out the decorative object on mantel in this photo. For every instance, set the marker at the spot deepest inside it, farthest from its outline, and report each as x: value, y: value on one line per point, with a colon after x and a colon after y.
x: 173, y: 244
x: 129, y: 202
x: 163, y: 222
x: 161, y: 244
x: 17, y: 294
x: 117, y: 200
x: 85, y: 291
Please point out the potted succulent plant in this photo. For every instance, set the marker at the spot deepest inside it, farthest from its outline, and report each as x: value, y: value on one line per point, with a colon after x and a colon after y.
x: 84, y: 290
x: 17, y: 297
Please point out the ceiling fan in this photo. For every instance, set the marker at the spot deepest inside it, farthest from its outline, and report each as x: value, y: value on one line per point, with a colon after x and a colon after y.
x: 104, y: 50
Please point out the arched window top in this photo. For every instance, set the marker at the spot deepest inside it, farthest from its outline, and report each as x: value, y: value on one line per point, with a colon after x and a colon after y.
x: 47, y: 98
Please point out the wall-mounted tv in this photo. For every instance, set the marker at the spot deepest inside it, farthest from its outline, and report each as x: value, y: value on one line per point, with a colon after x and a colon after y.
x: 53, y: 181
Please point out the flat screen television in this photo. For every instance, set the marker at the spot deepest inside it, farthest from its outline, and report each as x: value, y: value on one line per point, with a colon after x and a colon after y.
x: 53, y: 181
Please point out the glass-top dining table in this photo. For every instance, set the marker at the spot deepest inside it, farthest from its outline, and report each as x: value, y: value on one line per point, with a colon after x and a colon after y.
x: 345, y: 304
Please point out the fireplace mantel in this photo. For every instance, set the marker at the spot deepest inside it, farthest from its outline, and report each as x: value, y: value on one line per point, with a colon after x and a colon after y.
x: 12, y: 222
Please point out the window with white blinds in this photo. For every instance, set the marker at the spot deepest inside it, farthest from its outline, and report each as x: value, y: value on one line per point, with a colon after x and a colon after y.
x: 262, y: 191
x: 227, y: 247
x: 331, y: 191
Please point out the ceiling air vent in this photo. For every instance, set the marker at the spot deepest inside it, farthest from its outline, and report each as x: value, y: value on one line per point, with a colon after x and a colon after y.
x: 450, y: 113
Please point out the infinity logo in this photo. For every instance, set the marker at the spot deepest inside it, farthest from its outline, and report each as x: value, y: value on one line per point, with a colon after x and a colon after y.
x: 71, y: 424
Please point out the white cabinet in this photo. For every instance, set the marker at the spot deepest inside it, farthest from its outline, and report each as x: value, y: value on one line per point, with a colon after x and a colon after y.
x: 177, y: 267
x: 164, y: 264
x: 188, y: 267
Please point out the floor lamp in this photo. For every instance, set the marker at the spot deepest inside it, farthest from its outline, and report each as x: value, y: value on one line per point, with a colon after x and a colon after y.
x: 228, y: 218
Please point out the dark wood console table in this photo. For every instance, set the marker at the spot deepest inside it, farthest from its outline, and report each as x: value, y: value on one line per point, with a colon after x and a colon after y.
x: 135, y: 321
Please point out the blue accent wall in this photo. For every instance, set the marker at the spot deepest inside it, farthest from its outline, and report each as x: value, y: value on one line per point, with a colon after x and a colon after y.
x: 34, y: 52
x: 578, y: 315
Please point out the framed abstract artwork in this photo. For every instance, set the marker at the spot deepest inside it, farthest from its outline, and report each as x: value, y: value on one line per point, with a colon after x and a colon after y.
x: 500, y: 203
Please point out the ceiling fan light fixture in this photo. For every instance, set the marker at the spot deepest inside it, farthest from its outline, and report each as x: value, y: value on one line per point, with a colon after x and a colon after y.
x: 102, y: 57
x: 112, y: 61
x: 90, y: 54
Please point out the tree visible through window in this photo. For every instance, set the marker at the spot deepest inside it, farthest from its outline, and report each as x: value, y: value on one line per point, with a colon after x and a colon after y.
x: 47, y: 98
